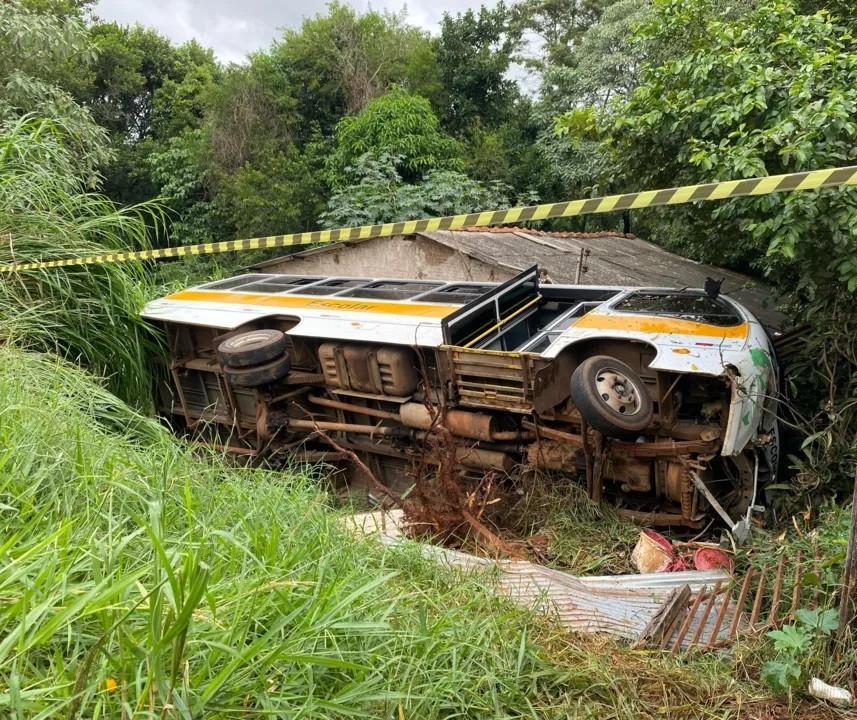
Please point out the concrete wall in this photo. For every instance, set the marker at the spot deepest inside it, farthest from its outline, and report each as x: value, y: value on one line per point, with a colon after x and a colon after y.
x: 397, y: 257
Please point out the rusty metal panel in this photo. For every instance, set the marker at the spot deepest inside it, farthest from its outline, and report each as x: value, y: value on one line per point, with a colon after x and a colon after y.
x: 490, y: 379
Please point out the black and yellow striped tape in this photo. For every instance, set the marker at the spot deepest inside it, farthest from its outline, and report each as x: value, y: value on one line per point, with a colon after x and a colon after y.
x: 812, y: 180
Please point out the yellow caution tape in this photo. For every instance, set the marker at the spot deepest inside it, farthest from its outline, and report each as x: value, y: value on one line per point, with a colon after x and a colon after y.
x: 812, y: 180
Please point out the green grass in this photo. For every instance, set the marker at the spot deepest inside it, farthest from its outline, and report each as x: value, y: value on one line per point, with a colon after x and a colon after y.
x: 87, y: 313
x: 582, y: 538
x: 210, y: 590
x: 139, y: 579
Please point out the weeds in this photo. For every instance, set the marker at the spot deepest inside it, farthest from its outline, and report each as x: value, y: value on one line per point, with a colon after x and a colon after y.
x: 88, y: 313
x: 582, y: 537
x: 137, y: 579
x: 792, y: 643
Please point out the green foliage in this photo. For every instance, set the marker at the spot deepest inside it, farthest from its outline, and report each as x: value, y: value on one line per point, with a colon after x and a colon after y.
x: 575, y: 151
x: 396, y: 124
x: 588, y: 59
x: 378, y: 194
x: 60, y: 8
x: 602, y: 64
x: 557, y: 26
x: 179, y: 171
x: 179, y: 104
x: 818, y: 621
x: 36, y: 50
x: 87, y: 313
x: 509, y: 153
x: 585, y: 538
x: 144, y: 91
x: 132, y: 67
x: 251, y: 115
x: 132, y: 62
x: 280, y: 194
x: 792, y: 644
x: 474, y: 53
x: 338, y: 61
x: 771, y: 92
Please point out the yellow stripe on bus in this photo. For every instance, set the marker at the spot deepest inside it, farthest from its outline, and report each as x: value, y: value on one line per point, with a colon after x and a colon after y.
x: 427, y: 310
x: 662, y: 325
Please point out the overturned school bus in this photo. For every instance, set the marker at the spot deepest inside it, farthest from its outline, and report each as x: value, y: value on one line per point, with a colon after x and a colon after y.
x: 661, y: 398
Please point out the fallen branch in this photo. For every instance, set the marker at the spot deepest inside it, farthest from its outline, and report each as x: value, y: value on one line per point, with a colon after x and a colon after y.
x: 351, y: 455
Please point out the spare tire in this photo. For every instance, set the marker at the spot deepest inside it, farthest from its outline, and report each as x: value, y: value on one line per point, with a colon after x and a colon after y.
x: 252, y: 348
x: 611, y: 397
x: 258, y: 375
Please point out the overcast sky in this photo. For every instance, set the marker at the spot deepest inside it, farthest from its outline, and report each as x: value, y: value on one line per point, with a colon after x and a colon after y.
x: 234, y: 29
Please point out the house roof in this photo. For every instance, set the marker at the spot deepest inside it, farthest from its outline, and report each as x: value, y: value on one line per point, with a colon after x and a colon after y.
x: 613, y: 259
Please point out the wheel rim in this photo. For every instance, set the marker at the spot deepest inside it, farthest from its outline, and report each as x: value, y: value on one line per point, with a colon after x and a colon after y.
x: 619, y: 392
x: 250, y: 339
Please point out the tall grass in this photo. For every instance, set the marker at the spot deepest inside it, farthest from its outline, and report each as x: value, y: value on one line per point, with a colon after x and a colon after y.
x: 138, y: 579
x: 87, y: 313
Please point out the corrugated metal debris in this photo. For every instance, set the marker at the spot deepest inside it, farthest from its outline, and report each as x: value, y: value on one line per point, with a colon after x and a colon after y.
x: 629, y: 606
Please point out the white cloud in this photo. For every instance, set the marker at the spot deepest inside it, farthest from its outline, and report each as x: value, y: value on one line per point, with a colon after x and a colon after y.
x: 235, y: 29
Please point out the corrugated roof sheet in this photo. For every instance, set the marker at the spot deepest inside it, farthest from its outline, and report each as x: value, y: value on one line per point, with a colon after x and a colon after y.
x: 614, y: 259
x: 619, y: 605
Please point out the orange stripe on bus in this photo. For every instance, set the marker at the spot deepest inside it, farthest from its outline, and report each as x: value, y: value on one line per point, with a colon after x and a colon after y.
x: 659, y: 325
x: 431, y: 310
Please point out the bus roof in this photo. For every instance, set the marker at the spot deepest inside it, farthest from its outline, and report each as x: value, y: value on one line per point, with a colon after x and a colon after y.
x: 396, y: 311
x: 426, y: 313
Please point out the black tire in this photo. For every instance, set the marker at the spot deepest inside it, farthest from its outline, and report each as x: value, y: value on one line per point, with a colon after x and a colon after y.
x: 611, y: 397
x: 258, y: 375
x: 252, y: 348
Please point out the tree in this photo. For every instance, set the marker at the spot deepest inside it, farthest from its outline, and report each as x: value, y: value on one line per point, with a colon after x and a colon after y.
x: 510, y: 154
x: 180, y: 171
x: 772, y: 91
x: 36, y: 50
x: 584, y: 56
x: 769, y: 93
x: 337, y: 62
x: 399, y: 125
x: 143, y: 90
x: 131, y: 64
x: 603, y: 63
x: 474, y: 53
x: 557, y: 25
x: 282, y: 193
x: 179, y: 103
x: 251, y: 114
x: 378, y: 194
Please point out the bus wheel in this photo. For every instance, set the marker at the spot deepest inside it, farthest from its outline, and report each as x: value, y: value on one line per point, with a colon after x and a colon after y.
x: 258, y: 375
x: 252, y: 348
x: 611, y: 397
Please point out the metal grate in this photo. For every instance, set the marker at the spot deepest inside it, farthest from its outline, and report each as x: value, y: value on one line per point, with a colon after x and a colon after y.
x: 491, y: 379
